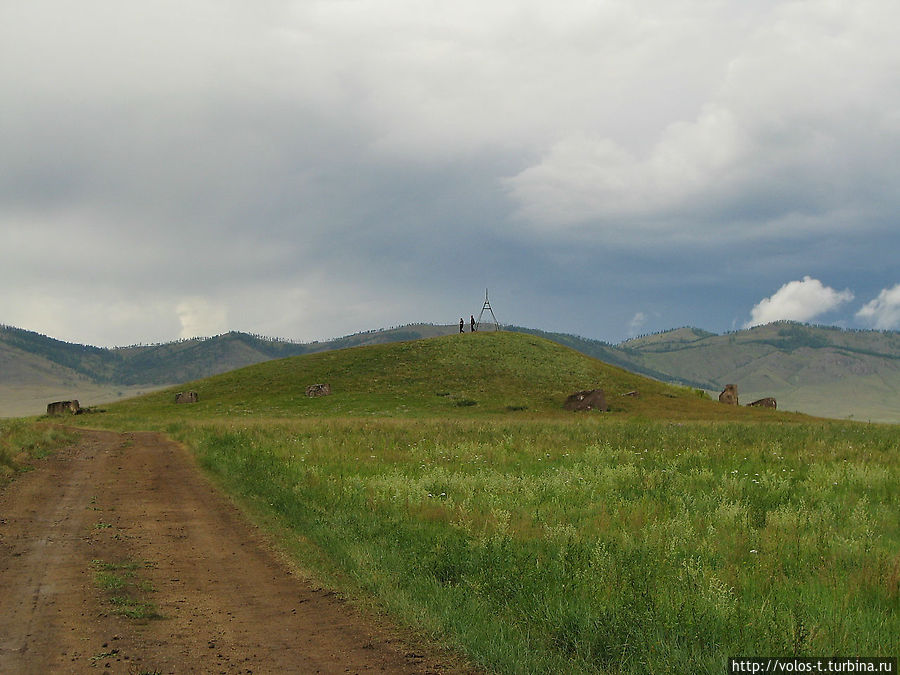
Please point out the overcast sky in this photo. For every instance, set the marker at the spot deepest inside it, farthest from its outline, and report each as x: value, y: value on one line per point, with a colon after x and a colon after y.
x: 311, y: 169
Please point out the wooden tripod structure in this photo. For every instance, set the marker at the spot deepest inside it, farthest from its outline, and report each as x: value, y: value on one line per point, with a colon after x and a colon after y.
x: 487, y: 306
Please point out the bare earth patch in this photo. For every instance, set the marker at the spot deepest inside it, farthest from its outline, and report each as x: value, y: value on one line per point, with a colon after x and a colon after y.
x: 212, y: 596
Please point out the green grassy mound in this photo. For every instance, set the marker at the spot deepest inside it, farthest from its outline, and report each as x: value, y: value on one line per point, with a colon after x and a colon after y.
x: 471, y: 374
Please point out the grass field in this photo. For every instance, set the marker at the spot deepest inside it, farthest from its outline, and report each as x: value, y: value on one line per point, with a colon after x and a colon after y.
x: 596, y: 546
x: 443, y: 481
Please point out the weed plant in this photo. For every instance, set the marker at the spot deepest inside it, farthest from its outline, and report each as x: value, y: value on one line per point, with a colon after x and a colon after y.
x: 126, y: 592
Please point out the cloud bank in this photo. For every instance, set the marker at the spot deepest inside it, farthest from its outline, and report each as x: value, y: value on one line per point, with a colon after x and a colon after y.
x: 798, y: 301
x: 308, y: 169
x: 769, y: 138
x: 883, y: 312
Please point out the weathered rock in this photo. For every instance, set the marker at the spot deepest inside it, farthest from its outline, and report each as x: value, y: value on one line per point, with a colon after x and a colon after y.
x: 590, y: 399
x: 767, y: 402
x: 186, y: 397
x: 729, y: 395
x: 632, y: 394
x: 314, y: 390
x: 63, y: 407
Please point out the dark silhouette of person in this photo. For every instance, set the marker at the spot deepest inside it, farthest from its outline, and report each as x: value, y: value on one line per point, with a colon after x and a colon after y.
x: 461, y: 324
x: 472, y: 316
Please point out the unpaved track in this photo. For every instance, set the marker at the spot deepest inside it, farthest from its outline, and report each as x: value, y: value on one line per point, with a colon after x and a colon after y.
x: 228, y: 603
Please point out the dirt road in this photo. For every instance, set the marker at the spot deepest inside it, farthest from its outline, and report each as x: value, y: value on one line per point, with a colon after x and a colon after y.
x: 126, y: 524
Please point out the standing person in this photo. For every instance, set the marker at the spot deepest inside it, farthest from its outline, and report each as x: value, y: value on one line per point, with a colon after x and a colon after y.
x: 472, y: 317
x: 461, y: 323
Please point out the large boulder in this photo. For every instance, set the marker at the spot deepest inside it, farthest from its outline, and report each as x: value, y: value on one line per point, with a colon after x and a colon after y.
x: 729, y: 395
x: 767, y: 402
x: 63, y: 407
x: 590, y: 399
x: 314, y: 390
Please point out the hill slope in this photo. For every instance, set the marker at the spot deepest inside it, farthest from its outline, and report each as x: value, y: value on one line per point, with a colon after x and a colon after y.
x: 817, y: 370
x: 30, y: 358
x: 36, y: 369
x: 495, y: 373
x: 820, y: 370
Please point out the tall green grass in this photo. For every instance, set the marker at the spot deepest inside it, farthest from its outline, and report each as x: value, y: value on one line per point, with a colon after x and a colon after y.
x: 592, y: 546
x: 21, y: 440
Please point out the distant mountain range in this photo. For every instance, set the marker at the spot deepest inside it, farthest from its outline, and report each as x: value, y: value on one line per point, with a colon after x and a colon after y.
x: 819, y: 370
x: 36, y: 369
x: 814, y: 369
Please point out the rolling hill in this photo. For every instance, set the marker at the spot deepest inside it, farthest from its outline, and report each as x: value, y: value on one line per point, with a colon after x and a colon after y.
x: 36, y: 369
x: 818, y: 370
x: 491, y: 373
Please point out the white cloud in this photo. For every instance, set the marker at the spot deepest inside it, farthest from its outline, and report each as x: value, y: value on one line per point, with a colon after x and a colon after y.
x: 882, y: 312
x: 637, y: 322
x: 584, y: 177
x: 201, y: 318
x: 798, y: 301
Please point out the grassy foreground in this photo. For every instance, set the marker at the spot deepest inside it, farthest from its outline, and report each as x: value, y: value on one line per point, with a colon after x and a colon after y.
x: 21, y: 441
x: 442, y: 480
x: 595, y: 546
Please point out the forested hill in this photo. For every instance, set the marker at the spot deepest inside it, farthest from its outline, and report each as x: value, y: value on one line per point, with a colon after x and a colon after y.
x: 28, y: 358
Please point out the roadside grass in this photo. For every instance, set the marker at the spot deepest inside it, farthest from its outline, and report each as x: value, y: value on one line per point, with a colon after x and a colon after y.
x: 125, y: 590
x: 591, y: 545
x: 22, y: 439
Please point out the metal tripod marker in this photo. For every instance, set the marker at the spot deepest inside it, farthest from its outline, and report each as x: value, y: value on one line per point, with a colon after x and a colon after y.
x: 487, y: 306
